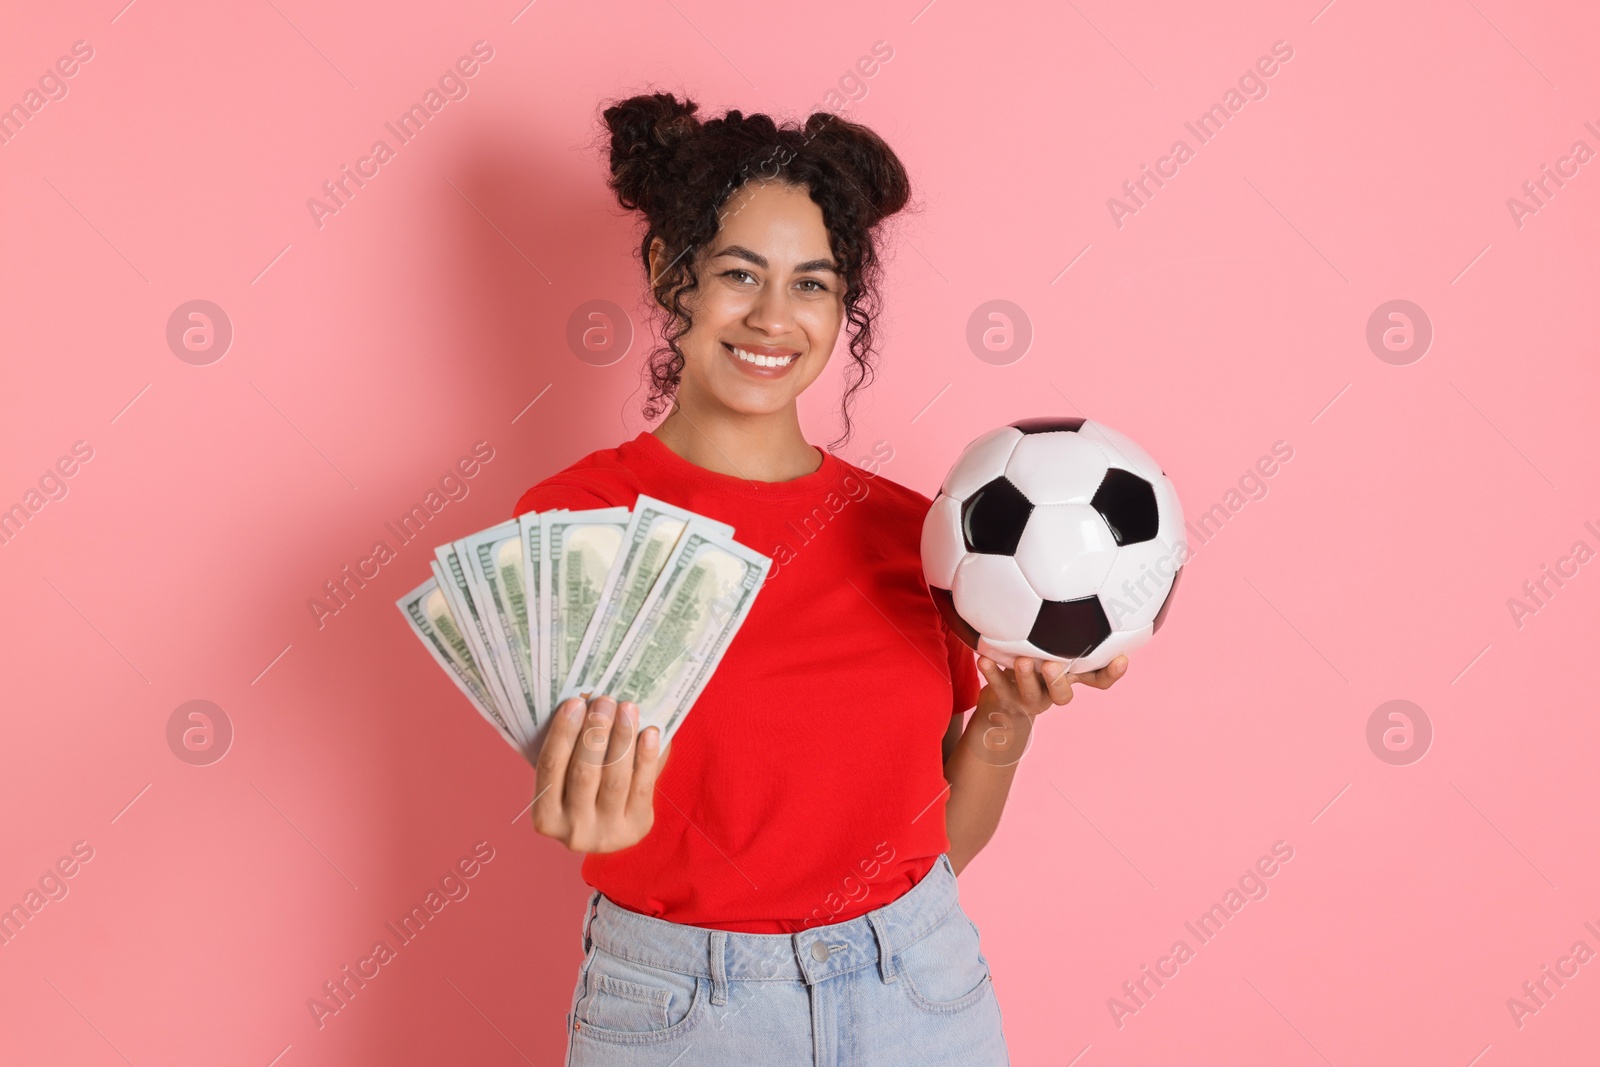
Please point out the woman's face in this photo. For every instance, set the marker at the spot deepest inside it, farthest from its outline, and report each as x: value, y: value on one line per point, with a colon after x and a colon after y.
x: 769, y: 304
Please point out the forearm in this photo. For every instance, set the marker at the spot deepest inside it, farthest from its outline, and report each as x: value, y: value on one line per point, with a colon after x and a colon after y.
x: 979, y: 770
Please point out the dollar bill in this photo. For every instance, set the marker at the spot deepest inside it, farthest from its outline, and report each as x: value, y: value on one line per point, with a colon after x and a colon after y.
x: 452, y: 578
x: 684, y: 627
x: 529, y: 526
x: 493, y: 560
x: 653, y: 530
x: 428, y: 613
x: 576, y: 551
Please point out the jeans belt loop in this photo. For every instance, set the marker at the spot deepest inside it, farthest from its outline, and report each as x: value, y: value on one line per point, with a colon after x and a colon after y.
x: 880, y: 930
x: 589, y: 912
x: 719, y: 967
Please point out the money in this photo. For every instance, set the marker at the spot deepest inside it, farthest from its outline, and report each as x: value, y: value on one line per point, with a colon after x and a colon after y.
x: 493, y: 559
x: 684, y: 627
x: 576, y: 551
x: 426, y: 609
x: 640, y: 603
x: 652, y: 531
x: 528, y: 526
x: 452, y: 578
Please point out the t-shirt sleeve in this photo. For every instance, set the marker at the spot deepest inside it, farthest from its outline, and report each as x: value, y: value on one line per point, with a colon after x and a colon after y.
x: 964, y: 677
x: 553, y: 493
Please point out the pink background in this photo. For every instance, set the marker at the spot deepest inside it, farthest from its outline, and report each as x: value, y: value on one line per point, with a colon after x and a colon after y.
x: 1228, y: 313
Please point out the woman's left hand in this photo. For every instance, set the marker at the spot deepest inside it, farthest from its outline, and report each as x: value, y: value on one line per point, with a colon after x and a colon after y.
x: 1032, y: 686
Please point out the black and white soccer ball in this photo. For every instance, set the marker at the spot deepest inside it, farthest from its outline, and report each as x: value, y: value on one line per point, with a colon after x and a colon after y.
x: 1055, y: 538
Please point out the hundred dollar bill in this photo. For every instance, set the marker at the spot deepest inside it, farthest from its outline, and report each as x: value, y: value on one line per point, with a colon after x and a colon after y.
x: 576, y: 551
x: 684, y: 627
x: 529, y: 526
x: 452, y: 577
x: 493, y: 560
x: 653, y: 529
x: 428, y: 613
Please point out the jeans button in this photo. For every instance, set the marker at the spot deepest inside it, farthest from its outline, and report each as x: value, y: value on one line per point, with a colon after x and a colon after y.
x: 819, y: 952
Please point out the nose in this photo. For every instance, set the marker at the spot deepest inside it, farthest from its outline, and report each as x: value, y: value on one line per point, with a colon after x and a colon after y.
x: 771, y: 312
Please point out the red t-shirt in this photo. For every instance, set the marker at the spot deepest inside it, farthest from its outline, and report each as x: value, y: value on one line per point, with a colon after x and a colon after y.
x: 806, y: 786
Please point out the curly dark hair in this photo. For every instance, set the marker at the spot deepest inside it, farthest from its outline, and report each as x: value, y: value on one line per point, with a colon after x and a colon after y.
x: 678, y: 172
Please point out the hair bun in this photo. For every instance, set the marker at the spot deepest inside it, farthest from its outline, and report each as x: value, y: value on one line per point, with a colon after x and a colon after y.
x: 865, y: 157
x: 646, y: 132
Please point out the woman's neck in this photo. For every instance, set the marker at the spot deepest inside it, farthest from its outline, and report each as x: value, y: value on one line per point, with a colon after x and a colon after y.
x: 764, y: 448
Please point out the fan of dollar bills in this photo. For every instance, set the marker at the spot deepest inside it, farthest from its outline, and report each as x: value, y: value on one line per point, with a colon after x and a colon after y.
x: 636, y: 603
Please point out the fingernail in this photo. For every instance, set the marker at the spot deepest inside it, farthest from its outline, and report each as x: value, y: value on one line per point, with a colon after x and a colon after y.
x: 573, y: 710
x: 631, y: 710
x: 652, y: 739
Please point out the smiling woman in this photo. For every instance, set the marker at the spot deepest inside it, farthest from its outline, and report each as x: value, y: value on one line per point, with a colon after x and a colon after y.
x: 802, y: 857
x: 710, y: 191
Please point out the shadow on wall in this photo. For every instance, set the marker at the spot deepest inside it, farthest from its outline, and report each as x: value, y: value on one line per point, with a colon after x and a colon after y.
x: 529, y: 232
x: 536, y: 234
x: 554, y: 240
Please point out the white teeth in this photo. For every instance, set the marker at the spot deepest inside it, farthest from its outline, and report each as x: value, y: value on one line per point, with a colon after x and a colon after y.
x: 762, y: 361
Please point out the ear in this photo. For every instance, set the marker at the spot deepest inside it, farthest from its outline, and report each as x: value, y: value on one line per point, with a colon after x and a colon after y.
x: 658, y: 260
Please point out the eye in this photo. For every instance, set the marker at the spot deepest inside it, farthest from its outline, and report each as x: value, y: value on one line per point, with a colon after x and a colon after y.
x: 820, y: 288
x: 736, y: 270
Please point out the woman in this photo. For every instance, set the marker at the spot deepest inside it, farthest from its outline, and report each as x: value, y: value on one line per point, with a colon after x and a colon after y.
x: 784, y: 892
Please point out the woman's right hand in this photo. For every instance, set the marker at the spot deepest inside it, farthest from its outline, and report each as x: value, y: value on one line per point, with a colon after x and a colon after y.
x: 596, y: 786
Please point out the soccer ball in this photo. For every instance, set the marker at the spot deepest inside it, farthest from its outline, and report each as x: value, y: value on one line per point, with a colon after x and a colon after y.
x: 1055, y: 538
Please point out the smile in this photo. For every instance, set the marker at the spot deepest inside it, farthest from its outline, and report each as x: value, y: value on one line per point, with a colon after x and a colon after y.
x: 758, y: 359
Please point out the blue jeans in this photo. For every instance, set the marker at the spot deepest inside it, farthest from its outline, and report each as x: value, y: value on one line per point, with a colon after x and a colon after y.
x: 904, y: 983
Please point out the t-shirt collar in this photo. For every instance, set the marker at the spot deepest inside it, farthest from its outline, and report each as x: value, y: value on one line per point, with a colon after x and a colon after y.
x: 651, y: 450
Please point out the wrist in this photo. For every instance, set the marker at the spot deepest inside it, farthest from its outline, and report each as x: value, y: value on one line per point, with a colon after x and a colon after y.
x: 997, y: 736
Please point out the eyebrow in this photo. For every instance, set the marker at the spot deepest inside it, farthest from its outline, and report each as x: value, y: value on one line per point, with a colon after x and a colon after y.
x: 741, y: 252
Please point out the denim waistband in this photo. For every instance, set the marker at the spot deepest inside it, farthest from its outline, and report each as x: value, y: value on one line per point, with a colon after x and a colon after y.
x: 811, y: 956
